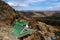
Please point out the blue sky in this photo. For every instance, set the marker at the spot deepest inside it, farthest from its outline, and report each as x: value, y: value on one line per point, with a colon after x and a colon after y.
x: 34, y: 4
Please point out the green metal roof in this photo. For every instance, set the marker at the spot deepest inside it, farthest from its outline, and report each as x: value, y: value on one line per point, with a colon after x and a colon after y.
x: 18, y: 27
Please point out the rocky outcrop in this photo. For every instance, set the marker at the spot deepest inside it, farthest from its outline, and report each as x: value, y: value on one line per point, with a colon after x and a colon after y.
x: 6, y: 12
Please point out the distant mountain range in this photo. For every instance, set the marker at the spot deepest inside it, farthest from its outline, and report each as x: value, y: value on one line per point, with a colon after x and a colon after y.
x: 40, y: 13
x: 49, y: 17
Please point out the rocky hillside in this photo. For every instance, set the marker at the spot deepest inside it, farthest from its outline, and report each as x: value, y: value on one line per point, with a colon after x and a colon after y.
x: 6, y: 12
x: 8, y: 15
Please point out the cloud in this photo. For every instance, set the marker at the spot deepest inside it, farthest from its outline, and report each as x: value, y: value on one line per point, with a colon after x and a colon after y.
x: 53, y: 0
x: 17, y: 4
x: 55, y: 7
x: 36, y: 0
x: 31, y: 4
x: 24, y: 3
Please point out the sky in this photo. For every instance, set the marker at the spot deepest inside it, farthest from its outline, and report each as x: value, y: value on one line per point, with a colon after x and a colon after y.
x: 34, y: 4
